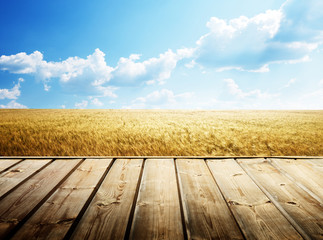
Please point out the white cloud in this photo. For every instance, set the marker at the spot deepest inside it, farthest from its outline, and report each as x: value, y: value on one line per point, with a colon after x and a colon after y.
x: 163, y: 98
x: 130, y: 71
x: 13, y: 104
x: 235, y: 90
x: 73, y: 73
x: 63, y: 106
x: 286, y: 36
x: 12, y: 93
x: 92, y: 75
x: 97, y: 102
x: 81, y: 105
x: 21, y: 63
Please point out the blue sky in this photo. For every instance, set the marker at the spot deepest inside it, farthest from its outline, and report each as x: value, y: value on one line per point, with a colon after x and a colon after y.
x: 161, y: 54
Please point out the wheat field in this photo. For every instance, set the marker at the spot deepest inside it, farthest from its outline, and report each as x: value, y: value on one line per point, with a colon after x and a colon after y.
x: 160, y: 133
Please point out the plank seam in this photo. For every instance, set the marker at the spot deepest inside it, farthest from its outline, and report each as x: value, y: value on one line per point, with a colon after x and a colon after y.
x: 300, y: 185
x: 6, y: 169
x: 41, y: 202
x: 298, y: 228
x: 225, y: 200
x: 180, y: 202
x: 134, y: 202
x: 88, y: 202
x: 23, y: 181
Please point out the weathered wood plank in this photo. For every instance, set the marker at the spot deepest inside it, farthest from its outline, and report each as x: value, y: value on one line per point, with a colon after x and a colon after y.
x: 54, y: 218
x: 15, y: 175
x: 6, y: 163
x: 317, y: 164
x: 302, y: 173
x: 157, y: 214
x: 257, y: 217
x: 16, y: 205
x: 107, y: 215
x: 206, y: 213
x: 298, y: 204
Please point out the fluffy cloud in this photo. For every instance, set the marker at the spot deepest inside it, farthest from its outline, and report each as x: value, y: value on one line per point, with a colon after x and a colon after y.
x: 74, y: 72
x: 163, y: 98
x: 92, y: 74
x: 235, y: 90
x: 249, y: 44
x: 13, y: 104
x: 21, y: 63
x: 12, y: 93
x: 97, y: 102
x: 81, y: 105
x: 129, y: 71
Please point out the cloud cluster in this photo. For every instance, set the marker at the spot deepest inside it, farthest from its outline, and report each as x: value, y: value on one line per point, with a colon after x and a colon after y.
x: 287, y: 35
x: 81, y: 73
x: 250, y: 44
x: 130, y: 71
x: 92, y: 73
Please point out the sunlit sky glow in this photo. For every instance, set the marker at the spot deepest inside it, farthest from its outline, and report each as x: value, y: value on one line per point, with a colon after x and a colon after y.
x: 164, y: 54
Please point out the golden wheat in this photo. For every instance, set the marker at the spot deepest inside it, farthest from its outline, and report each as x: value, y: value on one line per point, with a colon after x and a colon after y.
x: 160, y: 133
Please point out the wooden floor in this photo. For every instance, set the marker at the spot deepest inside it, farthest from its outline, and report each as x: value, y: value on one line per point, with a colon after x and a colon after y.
x: 161, y: 198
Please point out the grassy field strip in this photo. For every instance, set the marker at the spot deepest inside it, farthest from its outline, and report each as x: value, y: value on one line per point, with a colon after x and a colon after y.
x: 36, y: 132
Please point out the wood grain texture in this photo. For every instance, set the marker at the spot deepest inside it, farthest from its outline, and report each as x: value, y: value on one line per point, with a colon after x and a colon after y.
x: 107, y: 215
x: 16, y: 205
x: 6, y: 163
x: 317, y: 164
x: 54, y: 218
x: 15, y: 175
x: 256, y: 215
x: 206, y: 213
x: 157, y: 214
x: 303, y: 209
x: 302, y: 173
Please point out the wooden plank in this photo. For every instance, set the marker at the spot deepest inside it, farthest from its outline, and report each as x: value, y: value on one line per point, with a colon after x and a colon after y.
x: 256, y: 215
x: 107, y: 215
x: 302, y: 210
x: 206, y: 213
x: 302, y: 173
x: 6, y: 163
x: 157, y: 214
x: 15, y: 175
x: 317, y: 164
x: 54, y: 218
x: 16, y: 205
